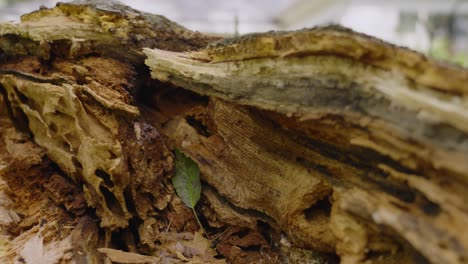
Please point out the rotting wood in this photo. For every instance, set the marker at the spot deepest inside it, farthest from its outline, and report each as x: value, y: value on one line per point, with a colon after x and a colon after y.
x: 377, y: 130
x: 315, y: 145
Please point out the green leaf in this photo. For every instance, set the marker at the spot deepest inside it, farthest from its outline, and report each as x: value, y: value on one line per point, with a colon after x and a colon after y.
x: 187, y: 179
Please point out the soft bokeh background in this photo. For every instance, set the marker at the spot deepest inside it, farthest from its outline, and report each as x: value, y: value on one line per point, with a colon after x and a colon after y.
x: 436, y: 27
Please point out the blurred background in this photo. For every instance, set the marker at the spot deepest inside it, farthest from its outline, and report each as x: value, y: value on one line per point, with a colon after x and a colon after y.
x: 438, y: 28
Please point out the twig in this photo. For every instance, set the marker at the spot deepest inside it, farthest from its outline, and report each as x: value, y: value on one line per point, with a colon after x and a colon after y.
x: 199, y: 223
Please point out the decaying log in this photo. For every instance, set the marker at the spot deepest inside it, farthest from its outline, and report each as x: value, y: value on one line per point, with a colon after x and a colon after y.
x: 317, y: 145
x: 69, y: 77
x: 376, y: 130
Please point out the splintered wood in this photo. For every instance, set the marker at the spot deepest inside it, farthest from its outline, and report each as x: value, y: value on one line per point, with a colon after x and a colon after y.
x: 315, y: 146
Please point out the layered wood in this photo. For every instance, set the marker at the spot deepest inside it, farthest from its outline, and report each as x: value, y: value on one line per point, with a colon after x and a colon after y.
x: 68, y: 77
x: 375, y: 132
x: 315, y: 145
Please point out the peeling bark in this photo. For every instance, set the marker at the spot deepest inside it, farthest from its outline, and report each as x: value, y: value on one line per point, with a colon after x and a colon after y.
x: 316, y: 145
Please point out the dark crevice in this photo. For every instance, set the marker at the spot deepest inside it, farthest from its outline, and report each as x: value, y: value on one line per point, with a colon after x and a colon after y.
x: 118, y: 241
x: 23, y: 98
x: 242, y: 233
x: 358, y: 157
x: 53, y: 128
x: 397, y: 189
x: 322, y: 206
x: 23, y: 44
x: 18, y: 118
x: 64, y: 145
x: 141, y: 87
x: 269, y: 234
x: 111, y: 201
x: 77, y: 163
x: 367, y: 161
x: 322, y: 169
x: 105, y: 177
x: 204, y: 222
x: 58, y: 49
x: 112, y: 155
x: 153, y: 93
x: 8, y: 106
x: 252, y: 248
x: 3, y: 56
x: 129, y: 200
x: 428, y: 207
x: 132, y: 230
x: 248, y: 212
x: 361, y: 158
x: 130, y: 168
x: 201, y: 128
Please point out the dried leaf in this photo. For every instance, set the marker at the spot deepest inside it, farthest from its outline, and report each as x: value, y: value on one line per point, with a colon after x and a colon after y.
x: 199, y: 246
x: 120, y: 256
x: 187, y: 179
x: 34, y: 252
x: 194, y: 248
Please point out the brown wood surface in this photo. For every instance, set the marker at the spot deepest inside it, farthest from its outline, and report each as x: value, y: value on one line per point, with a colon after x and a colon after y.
x: 315, y: 146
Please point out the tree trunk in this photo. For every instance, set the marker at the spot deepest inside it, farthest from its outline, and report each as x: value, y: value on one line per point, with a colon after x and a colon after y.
x: 315, y: 146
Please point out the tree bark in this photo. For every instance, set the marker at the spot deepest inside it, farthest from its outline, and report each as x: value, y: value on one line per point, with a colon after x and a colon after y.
x: 318, y: 145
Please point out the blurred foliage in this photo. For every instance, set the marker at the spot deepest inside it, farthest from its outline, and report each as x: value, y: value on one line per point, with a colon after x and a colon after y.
x: 440, y: 51
x: 10, y: 2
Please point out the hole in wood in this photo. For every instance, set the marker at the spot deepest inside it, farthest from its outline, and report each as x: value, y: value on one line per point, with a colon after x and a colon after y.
x: 111, y: 201
x: 201, y: 128
x: 321, y: 207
